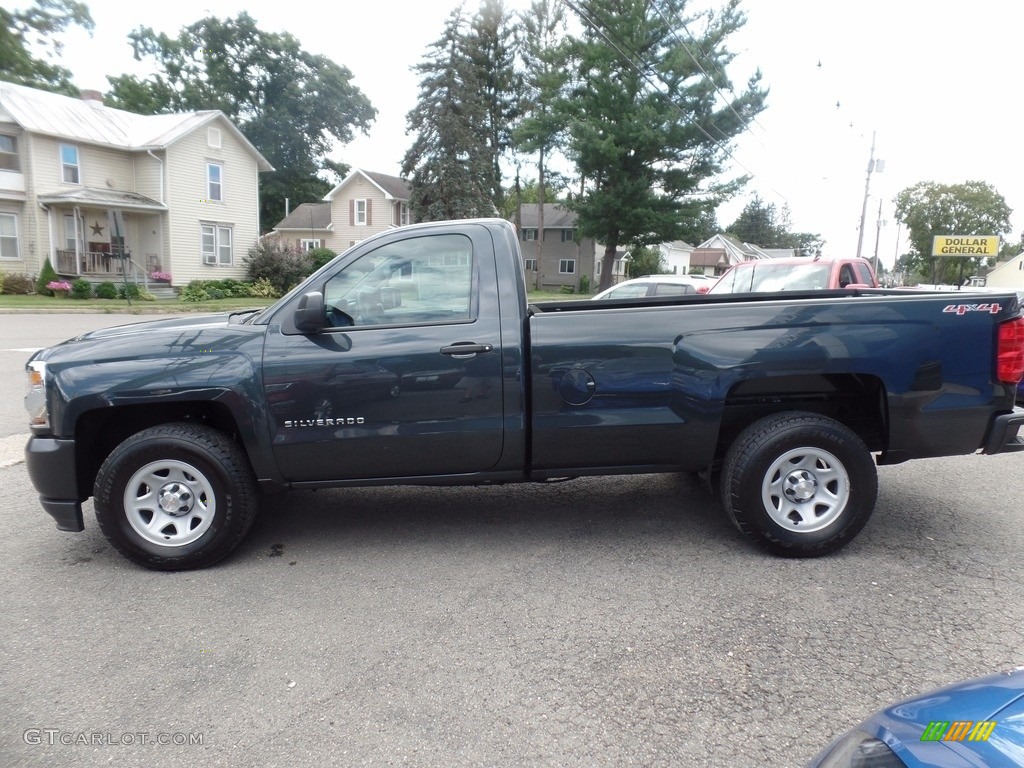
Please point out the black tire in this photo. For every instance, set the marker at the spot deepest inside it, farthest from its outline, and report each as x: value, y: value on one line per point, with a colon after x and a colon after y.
x: 799, y: 484
x: 176, y: 497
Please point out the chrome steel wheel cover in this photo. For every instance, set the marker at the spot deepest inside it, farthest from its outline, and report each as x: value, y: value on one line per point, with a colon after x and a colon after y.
x: 169, y: 503
x: 805, y: 490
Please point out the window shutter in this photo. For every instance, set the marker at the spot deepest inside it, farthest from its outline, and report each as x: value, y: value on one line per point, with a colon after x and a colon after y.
x: 351, y: 213
x: 369, y: 219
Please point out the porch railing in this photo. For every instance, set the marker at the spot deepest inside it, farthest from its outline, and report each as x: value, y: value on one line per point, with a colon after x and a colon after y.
x: 97, y: 264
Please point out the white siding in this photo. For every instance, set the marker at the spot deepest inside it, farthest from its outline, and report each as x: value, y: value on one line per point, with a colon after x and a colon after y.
x: 381, y: 213
x: 186, y: 198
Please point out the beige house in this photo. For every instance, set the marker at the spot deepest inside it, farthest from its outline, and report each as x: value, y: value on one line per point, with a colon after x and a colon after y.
x: 363, y: 204
x: 552, y: 256
x: 1008, y: 274
x: 102, y: 192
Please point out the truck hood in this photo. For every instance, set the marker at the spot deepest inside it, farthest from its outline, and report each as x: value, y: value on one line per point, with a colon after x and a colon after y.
x: 169, y: 338
x: 220, y: 319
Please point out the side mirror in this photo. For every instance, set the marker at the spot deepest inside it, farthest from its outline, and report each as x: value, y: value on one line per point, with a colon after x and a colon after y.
x: 309, y: 314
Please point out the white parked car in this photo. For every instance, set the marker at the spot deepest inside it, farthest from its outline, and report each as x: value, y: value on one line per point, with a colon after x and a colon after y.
x: 657, y: 285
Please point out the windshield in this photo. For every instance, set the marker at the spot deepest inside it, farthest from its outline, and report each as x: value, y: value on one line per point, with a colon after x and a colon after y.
x: 766, y: 277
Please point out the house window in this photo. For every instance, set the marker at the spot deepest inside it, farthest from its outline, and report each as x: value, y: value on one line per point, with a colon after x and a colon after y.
x: 69, y: 169
x: 215, y: 182
x: 9, y: 236
x: 361, y: 218
x: 70, y: 235
x: 529, y: 234
x: 213, y: 138
x: 567, y: 235
x: 531, y: 265
x: 308, y: 245
x: 216, y: 244
x: 9, y: 153
x: 403, y: 214
x: 567, y: 267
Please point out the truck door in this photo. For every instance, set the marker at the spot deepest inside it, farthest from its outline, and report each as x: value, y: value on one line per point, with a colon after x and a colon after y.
x: 405, y: 379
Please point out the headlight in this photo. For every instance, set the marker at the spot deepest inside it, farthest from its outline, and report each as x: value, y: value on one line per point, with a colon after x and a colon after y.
x: 859, y: 750
x: 35, y: 397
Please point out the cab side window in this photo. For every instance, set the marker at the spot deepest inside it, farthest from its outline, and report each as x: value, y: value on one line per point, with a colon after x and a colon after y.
x: 419, y: 280
x: 846, y: 276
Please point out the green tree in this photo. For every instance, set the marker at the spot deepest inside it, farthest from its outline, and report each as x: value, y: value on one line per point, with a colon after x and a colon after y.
x: 37, y: 28
x: 294, y: 106
x: 644, y: 260
x: 449, y: 165
x: 540, y: 131
x: 763, y: 225
x: 492, y: 54
x: 928, y: 209
x: 648, y: 129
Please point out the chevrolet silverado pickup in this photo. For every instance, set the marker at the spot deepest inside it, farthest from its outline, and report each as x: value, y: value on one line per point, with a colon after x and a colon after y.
x: 415, y: 357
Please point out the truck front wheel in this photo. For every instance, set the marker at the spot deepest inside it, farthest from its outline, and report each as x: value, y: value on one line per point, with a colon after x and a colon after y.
x: 799, y: 484
x: 175, y: 497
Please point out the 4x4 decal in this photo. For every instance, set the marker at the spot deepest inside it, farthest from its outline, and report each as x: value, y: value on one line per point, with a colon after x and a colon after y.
x: 961, y: 309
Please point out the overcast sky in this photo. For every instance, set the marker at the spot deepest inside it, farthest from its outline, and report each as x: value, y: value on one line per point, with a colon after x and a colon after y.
x: 936, y: 82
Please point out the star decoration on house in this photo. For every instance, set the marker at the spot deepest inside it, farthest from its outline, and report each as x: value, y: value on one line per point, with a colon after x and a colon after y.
x: 96, y: 228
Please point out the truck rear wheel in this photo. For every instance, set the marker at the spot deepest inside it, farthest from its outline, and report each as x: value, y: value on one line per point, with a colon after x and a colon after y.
x: 799, y: 484
x: 175, y: 497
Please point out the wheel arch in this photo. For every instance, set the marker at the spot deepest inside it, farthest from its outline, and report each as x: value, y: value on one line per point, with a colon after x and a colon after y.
x: 857, y: 401
x: 99, y: 431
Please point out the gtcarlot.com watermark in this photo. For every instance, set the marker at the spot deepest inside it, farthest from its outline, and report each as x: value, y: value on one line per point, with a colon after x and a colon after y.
x: 52, y: 737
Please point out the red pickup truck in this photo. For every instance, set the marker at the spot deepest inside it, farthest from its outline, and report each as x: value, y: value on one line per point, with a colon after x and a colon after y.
x: 772, y: 275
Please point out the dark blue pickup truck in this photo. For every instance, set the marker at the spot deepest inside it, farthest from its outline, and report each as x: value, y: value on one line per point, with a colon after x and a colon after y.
x: 414, y: 357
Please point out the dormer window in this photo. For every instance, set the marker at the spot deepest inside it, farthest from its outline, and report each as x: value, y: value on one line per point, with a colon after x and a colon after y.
x: 70, y: 173
x: 9, y: 153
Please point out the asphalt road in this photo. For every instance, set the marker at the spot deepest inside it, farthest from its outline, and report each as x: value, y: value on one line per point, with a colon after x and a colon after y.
x: 600, y: 622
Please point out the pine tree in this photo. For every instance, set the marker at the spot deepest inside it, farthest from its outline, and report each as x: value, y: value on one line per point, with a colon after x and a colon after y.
x: 540, y: 130
x: 647, y: 127
x: 448, y: 165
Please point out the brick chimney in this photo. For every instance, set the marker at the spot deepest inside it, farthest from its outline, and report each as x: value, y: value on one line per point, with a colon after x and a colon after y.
x: 91, y: 96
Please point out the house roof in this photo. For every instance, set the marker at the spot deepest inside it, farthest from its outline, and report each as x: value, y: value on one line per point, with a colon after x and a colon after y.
x: 393, y: 187
x: 90, y: 122
x: 555, y: 216
x: 735, y: 251
x: 307, y: 216
x: 104, y: 198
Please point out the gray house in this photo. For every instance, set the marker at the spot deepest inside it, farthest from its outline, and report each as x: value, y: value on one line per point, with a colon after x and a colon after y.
x: 553, y: 256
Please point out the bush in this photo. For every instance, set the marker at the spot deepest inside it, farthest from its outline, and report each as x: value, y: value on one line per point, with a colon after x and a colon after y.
x: 128, y: 291
x: 106, y: 291
x: 46, y: 275
x: 283, y: 268
x: 320, y: 256
x: 195, y: 291
x: 18, y: 285
x: 81, y: 289
x: 263, y: 289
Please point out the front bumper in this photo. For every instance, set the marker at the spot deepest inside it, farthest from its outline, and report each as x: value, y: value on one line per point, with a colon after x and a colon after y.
x: 1002, y: 435
x: 51, y: 468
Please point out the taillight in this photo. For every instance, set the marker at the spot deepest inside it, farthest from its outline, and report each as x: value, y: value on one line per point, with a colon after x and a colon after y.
x: 703, y: 289
x: 1010, y: 354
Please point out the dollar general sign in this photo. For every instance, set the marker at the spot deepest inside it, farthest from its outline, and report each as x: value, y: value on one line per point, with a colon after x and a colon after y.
x: 965, y: 245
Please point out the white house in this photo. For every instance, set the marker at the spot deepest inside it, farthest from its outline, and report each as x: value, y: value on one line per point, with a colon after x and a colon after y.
x: 101, y: 191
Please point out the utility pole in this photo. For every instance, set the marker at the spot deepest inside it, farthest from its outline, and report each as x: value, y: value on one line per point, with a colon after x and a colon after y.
x: 873, y: 165
x: 878, y: 234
